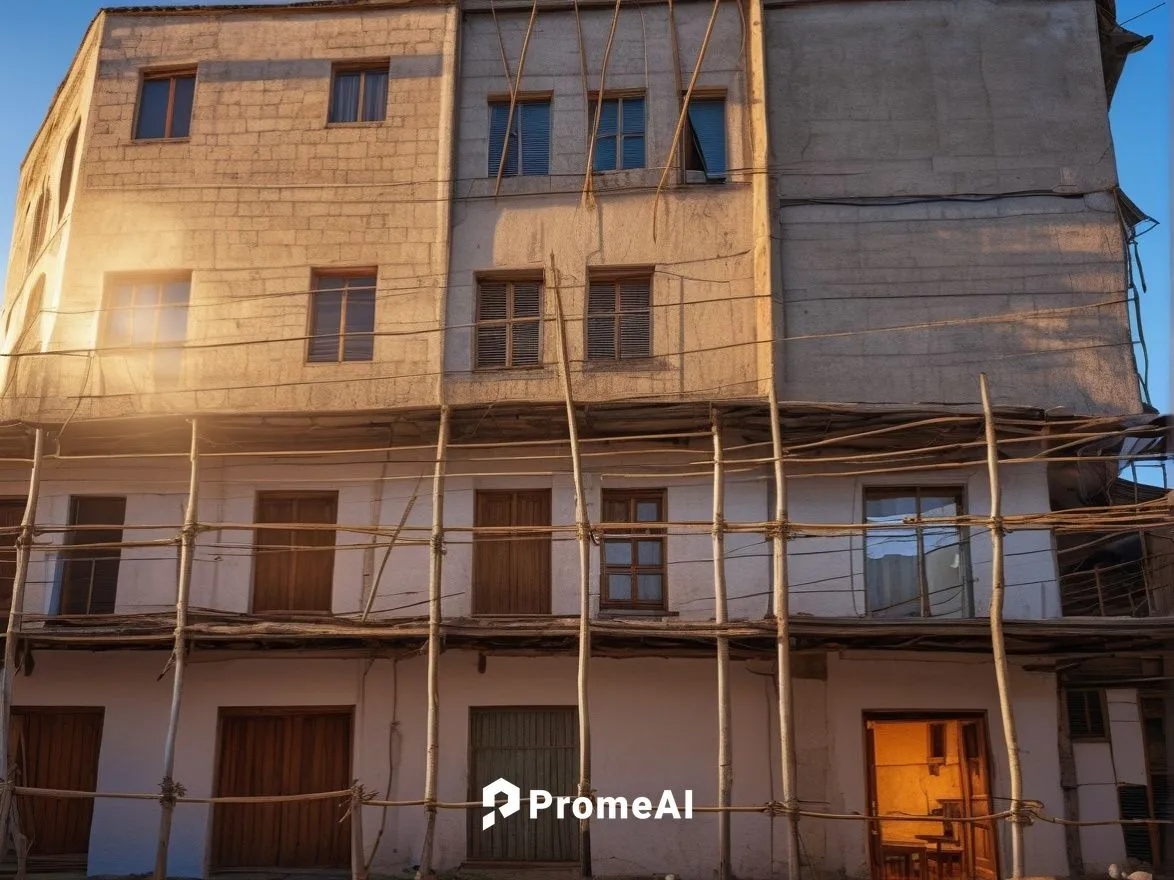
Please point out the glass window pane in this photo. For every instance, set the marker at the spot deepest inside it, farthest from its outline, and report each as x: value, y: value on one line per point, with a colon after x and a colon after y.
x: 939, y: 505
x: 344, y: 99
x: 375, y: 96
x: 143, y: 325
x: 153, y: 108
x: 358, y: 348
x: 648, y: 552
x: 147, y: 295
x: 181, y: 108
x: 118, y: 327
x: 176, y: 293
x: 360, y: 311
x: 617, y: 552
x: 173, y: 324
x: 647, y: 511
x: 619, y: 587
x: 327, y: 316
x: 650, y: 587
x: 123, y: 296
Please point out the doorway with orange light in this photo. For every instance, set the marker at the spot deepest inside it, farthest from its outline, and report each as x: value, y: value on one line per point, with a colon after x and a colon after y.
x: 935, y: 765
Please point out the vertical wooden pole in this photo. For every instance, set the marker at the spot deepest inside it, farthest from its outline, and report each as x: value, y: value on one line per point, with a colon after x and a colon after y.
x: 358, y: 857
x: 187, y: 543
x: 435, y: 559
x: 788, y: 764
x: 583, y: 531
x: 998, y: 645
x: 24, y: 549
x: 725, y: 766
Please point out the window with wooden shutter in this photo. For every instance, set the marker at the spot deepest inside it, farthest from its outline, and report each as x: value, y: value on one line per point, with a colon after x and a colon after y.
x: 342, y: 317
x: 509, y: 324
x: 619, y: 318
x: 619, y: 133
x: 293, y: 568
x: 634, y: 569
x: 11, y: 513
x: 89, y: 578
x: 511, y: 565
x: 528, y: 150
x: 704, y: 150
x: 1086, y: 714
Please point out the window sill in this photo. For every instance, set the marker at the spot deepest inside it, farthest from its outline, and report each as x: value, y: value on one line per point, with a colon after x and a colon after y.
x: 161, y: 140
x: 490, y: 371
x: 364, y: 123
x: 624, y: 364
x: 636, y: 612
x: 309, y: 363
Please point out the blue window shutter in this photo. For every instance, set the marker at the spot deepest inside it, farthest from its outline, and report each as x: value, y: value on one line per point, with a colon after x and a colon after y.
x: 535, y: 124
x: 498, y: 117
x: 633, y: 116
x: 633, y: 131
x: 605, y: 141
x: 707, y: 118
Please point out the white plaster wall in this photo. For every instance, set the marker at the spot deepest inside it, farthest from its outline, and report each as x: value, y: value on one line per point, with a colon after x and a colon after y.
x: 859, y: 683
x: 653, y: 725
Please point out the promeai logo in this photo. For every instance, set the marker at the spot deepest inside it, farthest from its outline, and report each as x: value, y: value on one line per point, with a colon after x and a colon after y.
x: 580, y: 807
x: 489, y: 795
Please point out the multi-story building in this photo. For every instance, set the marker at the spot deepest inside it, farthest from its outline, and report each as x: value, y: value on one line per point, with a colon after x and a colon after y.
x: 299, y: 301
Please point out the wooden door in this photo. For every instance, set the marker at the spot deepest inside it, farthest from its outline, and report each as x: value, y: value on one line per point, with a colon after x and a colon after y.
x: 58, y: 748
x: 981, y: 845
x: 11, y: 513
x: 293, y: 569
x: 511, y: 570
x: 89, y: 579
x: 272, y: 752
x: 532, y: 748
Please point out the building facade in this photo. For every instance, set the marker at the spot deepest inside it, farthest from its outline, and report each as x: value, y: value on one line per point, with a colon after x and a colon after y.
x: 361, y: 356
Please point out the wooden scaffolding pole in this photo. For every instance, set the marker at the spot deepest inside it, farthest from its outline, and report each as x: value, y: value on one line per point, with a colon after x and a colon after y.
x: 788, y: 763
x: 998, y: 645
x: 187, y: 543
x: 725, y: 766
x: 24, y: 549
x: 435, y: 559
x: 583, y: 532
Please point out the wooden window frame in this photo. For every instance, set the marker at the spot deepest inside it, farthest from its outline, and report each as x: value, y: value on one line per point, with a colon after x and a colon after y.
x: 510, y: 320
x: 1102, y: 701
x: 617, y: 277
x: 959, y: 494
x: 108, y: 310
x: 371, y: 272
x: 259, y: 497
x: 71, y: 556
x: 172, y: 74
x: 620, y: 96
x: 370, y: 65
x: 634, y: 534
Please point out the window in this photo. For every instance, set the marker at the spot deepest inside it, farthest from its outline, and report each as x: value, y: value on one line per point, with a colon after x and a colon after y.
x: 705, y: 139
x: 40, y: 229
x: 89, y: 579
x: 149, y: 313
x: 509, y: 323
x: 165, y: 105
x: 619, y: 138
x: 511, y: 568
x: 634, y: 558
x: 619, y: 318
x: 359, y: 93
x: 912, y: 571
x: 937, y: 742
x: 293, y: 567
x: 1086, y: 714
x: 342, y: 318
x: 30, y: 335
x: 65, y: 182
x: 11, y: 513
x: 528, y: 151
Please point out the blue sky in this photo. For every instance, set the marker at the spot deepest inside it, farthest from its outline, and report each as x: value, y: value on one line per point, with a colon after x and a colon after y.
x: 38, y: 40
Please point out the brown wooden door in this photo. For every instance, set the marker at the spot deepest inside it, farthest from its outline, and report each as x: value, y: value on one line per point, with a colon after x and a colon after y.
x: 272, y: 752
x: 58, y: 748
x: 511, y: 571
x: 89, y: 580
x: 11, y: 513
x: 983, y: 853
x: 293, y: 569
x: 532, y: 748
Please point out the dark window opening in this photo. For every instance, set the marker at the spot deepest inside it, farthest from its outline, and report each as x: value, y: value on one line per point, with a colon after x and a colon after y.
x: 1086, y: 714
x: 165, y: 105
x: 359, y: 94
x: 65, y: 182
x: 705, y: 139
x: 342, y: 318
x: 89, y: 578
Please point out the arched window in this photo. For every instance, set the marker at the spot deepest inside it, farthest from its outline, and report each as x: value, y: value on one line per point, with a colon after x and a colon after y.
x: 65, y: 182
x: 40, y: 227
x: 30, y: 335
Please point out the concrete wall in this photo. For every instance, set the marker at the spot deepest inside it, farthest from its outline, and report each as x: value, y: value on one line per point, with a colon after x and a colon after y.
x: 943, y: 205
x: 670, y: 702
x: 705, y: 330
x: 826, y: 573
